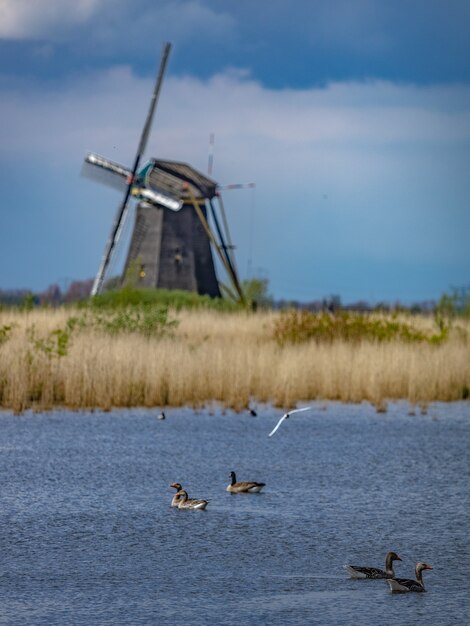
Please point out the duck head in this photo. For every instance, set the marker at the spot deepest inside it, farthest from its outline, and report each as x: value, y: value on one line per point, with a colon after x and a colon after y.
x: 422, y: 566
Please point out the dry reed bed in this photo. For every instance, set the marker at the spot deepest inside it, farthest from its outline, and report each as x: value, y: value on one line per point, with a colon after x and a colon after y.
x: 229, y: 358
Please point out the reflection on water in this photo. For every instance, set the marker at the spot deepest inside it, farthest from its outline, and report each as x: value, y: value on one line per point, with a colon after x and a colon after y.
x: 87, y: 534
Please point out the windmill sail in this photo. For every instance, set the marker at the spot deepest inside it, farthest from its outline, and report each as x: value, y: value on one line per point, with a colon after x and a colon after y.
x: 122, y: 210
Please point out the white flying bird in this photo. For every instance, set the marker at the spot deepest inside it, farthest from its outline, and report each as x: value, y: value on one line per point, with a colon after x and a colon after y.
x: 285, y: 416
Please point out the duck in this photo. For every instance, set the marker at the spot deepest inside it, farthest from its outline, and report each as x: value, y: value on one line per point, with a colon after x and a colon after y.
x: 190, y: 503
x: 357, y: 571
x: 175, y: 499
x: 401, y: 585
x: 243, y: 487
x: 162, y: 416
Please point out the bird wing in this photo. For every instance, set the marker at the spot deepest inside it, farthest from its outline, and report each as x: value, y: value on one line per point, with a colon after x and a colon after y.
x: 278, y: 424
x: 245, y: 485
x: 285, y: 416
x: 305, y: 408
x: 370, y: 572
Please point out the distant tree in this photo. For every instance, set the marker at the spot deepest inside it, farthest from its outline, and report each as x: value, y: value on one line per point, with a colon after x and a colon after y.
x: 314, y: 306
x: 256, y: 293
x: 457, y: 302
x: 29, y: 301
x: 52, y: 295
x: 13, y: 297
x: 78, y: 290
x: 332, y: 304
x: 360, y: 306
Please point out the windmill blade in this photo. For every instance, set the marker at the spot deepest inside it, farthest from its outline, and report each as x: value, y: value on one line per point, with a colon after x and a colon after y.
x: 111, y: 243
x: 106, y: 172
x: 102, y: 170
x: 156, y: 197
x: 116, y: 229
x: 153, y: 102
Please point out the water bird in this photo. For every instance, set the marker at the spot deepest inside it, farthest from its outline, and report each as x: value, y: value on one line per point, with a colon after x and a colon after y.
x: 357, y: 571
x: 185, y: 502
x: 253, y: 413
x: 402, y: 585
x: 286, y: 416
x: 176, y: 497
x: 243, y: 487
x: 162, y: 416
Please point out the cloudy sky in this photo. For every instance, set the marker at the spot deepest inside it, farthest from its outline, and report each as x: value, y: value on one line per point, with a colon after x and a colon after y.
x: 351, y: 116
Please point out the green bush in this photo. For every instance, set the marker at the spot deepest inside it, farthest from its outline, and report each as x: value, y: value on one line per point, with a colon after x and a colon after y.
x: 296, y: 326
x: 56, y: 343
x: 170, y: 298
x: 5, y: 331
x: 147, y: 320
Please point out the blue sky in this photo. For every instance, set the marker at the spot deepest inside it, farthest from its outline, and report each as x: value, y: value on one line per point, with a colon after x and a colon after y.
x: 352, y: 118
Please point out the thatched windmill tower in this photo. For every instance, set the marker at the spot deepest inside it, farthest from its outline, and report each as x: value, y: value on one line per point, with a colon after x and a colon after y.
x: 172, y: 240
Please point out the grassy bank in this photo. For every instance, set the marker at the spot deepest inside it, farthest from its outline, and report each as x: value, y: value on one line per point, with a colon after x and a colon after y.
x: 149, y: 357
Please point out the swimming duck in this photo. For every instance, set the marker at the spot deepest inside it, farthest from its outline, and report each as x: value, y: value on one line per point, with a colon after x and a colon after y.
x: 175, y: 499
x: 373, y: 572
x: 401, y: 585
x: 190, y: 503
x: 243, y: 487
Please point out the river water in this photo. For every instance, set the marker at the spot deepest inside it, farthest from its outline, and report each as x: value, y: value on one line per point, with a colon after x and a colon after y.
x: 87, y: 535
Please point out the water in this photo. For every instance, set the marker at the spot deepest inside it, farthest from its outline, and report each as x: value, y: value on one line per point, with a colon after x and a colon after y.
x: 87, y: 535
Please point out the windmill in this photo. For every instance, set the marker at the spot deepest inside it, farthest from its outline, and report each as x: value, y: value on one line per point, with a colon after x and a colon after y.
x: 172, y: 239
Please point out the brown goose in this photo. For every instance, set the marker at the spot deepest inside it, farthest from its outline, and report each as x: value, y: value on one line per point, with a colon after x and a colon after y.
x: 357, y: 571
x: 190, y: 503
x: 175, y: 499
x: 401, y: 585
x: 243, y: 487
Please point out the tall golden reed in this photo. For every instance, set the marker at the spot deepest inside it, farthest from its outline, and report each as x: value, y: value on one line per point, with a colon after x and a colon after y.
x: 229, y: 358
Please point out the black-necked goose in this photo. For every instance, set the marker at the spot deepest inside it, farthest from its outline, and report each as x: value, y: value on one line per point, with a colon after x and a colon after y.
x: 175, y: 499
x: 190, y: 503
x: 401, y: 585
x: 357, y: 571
x: 243, y: 487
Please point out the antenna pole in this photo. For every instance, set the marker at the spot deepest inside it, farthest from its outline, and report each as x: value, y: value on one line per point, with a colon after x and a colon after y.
x: 113, y: 237
x: 210, y: 162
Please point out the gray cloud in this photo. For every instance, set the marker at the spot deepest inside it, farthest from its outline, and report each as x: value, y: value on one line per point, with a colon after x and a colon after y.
x: 104, y: 24
x: 353, y: 169
x: 23, y: 19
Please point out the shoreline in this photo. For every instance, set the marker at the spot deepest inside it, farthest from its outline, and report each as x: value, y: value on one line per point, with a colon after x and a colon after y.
x: 216, y: 409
